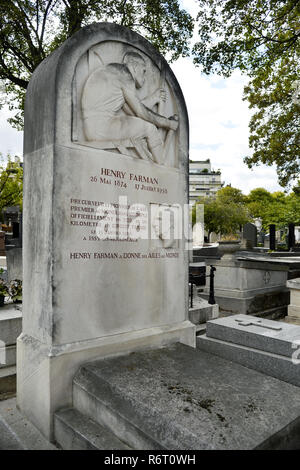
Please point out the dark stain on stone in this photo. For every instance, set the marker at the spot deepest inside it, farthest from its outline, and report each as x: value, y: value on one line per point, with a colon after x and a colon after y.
x: 186, y: 394
x: 187, y: 410
x: 221, y: 418
x: 206, y: 404
x: 250, y: 407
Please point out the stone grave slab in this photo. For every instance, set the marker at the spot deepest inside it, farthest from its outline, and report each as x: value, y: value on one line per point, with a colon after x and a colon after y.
x: 271, y: 347
x: 177, y: 398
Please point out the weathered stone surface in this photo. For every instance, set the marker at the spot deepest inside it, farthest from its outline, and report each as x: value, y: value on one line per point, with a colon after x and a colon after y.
x: 8, y: 441
x: 181, y: 398
x: 16, y: 432
x: 281, y: 367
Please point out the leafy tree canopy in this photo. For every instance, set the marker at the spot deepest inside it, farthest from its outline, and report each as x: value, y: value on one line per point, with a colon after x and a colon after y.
x: 224, y: 214
x: 262, y: 39
x: 274, y: 208
x: 228, y: 195
x: 229, y: 210
x: 31, y: 29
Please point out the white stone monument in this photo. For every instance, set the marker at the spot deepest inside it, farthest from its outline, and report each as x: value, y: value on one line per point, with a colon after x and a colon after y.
x: 106, y: 145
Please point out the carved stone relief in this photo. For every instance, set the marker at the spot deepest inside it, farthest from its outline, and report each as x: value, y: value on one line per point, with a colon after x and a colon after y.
x: 122, y: 103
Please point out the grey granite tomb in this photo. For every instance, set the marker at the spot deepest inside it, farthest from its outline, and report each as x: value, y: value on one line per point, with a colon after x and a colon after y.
x: 251, y: 286
x: 271, y: 347
x: 250, y: 235
x: 104, y: 118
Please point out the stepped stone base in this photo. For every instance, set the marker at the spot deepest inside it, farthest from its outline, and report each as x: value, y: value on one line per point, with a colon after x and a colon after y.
x: 74, y: 431
x: 178, y: 398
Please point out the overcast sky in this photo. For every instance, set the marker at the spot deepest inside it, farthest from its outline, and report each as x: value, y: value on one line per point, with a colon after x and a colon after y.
x: 218, y: 124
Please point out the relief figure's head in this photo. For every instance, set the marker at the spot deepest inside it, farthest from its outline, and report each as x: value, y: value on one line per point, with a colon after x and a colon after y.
x: 136, y: 66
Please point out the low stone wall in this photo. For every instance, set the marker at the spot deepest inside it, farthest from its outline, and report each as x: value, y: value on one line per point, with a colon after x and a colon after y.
x: 294, y: 307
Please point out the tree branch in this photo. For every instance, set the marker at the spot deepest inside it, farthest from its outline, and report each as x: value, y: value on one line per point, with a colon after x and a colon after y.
x: 10, y: 76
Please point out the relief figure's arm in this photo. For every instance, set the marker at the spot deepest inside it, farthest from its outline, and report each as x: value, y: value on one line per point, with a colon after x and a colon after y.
x: 141, y: 111
x: 156, y: 97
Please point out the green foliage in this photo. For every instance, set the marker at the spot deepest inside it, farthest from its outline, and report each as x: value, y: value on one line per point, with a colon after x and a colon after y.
x: 31, y: 29
x: 274, y: 208
x: 224, y: 214
x: 262, y: 39
x: 11, y: 183
x: 230, y: 195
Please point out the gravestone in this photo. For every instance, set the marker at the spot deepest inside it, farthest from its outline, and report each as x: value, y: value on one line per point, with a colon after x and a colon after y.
x: 272, y: 239
x: 250, y: 235
x: 291, y: 236
x: 106, y: 147
x: 2, y: 243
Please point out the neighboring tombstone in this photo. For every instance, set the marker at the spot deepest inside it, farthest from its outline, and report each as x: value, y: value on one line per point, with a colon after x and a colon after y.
x: 89, y: 290
x: 291, y: 236
x: 2, y: 243
x: 250, y: 235
x: 272, y: 239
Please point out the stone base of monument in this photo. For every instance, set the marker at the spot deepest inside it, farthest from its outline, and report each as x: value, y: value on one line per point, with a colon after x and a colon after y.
x: 40, y: 366
x: 251, y: 287
x: 177, y: 398
x: 264, y: 345
x: 202, y: 311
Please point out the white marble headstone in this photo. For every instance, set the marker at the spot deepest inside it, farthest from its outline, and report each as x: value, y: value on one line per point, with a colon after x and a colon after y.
x: 106, y: 163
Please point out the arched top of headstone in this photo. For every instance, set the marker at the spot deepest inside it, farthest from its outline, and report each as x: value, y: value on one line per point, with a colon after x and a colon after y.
x: 95, y: 91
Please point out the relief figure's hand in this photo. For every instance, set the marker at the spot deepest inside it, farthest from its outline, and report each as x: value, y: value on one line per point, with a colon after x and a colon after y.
x: 173, y: 121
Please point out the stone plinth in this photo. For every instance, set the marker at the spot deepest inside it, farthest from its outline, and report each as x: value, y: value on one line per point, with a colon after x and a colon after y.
x: 10, y: 329
x: 101, y: 155
x: 294, y: 308
x: 251, y: 287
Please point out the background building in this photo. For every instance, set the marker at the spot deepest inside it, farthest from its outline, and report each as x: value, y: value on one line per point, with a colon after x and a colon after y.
x: 204, y: 181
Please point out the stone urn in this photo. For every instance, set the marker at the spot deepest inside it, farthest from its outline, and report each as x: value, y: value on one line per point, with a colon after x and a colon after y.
x: 228, y: 248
